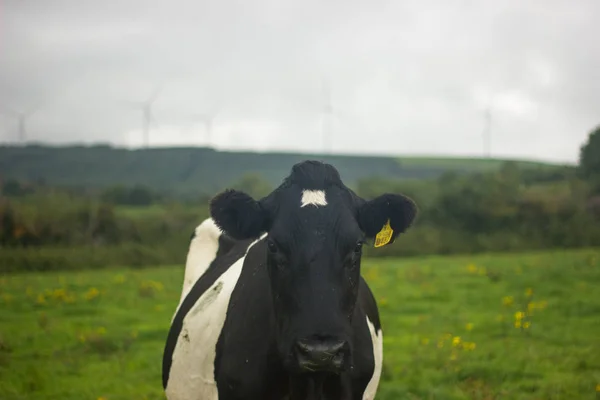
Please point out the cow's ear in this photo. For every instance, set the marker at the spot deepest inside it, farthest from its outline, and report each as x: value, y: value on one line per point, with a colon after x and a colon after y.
x: 386, y: 216
x: 238, y: 215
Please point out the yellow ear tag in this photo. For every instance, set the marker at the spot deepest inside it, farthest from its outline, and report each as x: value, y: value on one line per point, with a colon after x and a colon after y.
x: 384, y: 236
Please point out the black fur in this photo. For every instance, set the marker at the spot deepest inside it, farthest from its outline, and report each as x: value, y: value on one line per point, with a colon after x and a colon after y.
x: 238, y: 214
x: 301, y: 283
x: 314, y: 175
x: 399, y: 209
x: 242, y: 217
x: 221, y: 263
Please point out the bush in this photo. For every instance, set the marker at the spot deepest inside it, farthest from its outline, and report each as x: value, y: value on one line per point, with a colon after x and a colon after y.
x: 47, y: 259
x: 498, y: 211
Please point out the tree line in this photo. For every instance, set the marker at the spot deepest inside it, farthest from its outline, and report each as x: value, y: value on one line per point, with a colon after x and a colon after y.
x: 513, y: 208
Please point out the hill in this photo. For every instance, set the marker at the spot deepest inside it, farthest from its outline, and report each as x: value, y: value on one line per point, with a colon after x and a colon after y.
x: 197, y: 170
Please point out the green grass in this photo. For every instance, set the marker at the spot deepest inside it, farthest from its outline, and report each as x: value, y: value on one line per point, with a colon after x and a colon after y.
x: 94, y: 334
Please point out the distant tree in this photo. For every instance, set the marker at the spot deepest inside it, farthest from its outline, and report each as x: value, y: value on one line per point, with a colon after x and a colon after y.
x: 509, y: 170
x: 114, y: 195
x: 478, y: 203
x: 12, y: 188
x: 136, y: 196
x: 253, y: 184
x: 422, y: 191
x: 7, y: 223
x: 141, y: 196
x: 106, y: 228
x: 589, y: 156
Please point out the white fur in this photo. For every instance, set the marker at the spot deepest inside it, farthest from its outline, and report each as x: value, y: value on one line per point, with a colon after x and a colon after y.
x: 377, y: 339
x: 192, y: 369
x: 202, y: 251
x: 313, y: 197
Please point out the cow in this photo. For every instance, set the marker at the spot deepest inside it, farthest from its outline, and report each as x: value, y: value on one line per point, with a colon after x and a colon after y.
x: 273, y: 304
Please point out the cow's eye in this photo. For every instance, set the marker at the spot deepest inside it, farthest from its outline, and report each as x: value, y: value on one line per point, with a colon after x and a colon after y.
x: 272, y: 246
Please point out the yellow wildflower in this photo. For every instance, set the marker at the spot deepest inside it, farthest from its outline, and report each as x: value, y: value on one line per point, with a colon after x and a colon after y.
x: 456, y: 341
x: 469, y: 346
x: 425, y: 341
x: 59, y: 294
x: 526, y: 325
x: 517, y: 323
x: 469, y: 326
x: 472, y: 268
x: 519, y: 315
x: 149, y: 288
x: 41, y: 299
x: 92, y: 294
x: 508, y: 301
x: 529, y: 292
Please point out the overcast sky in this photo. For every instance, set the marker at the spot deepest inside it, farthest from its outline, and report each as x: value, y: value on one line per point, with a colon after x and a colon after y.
x: 405, y: 77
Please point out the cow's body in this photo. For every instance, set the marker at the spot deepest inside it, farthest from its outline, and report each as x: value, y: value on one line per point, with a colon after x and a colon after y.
x: 273, y: 305
x: 221, y: 342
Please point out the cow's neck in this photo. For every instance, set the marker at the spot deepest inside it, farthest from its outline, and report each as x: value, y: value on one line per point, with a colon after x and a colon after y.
x: 318, y: 387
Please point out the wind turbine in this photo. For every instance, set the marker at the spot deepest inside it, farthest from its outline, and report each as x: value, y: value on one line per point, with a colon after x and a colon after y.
x: 207, y: 119
x: 147, y: 116
x: 327, y: 119
x: 330, y: 113
x: 487, y: 132
x: 21, y: 117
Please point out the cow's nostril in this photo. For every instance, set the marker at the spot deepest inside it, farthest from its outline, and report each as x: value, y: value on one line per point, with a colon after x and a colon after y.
x: 319, y: 355
x: 304, y: 347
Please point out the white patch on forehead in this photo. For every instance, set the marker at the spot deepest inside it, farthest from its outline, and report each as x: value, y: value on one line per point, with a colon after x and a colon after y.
x: 313, y: 197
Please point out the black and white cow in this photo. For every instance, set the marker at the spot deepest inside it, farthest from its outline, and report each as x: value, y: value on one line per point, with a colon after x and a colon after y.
x: 273, y: 305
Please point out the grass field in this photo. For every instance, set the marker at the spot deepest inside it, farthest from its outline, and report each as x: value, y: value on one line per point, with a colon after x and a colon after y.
x: 523, y: 326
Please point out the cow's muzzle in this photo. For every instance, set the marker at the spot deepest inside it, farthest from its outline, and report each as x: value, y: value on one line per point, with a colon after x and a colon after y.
x: 319, y: 355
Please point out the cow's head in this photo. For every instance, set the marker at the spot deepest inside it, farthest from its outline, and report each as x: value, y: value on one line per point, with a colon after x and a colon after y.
x: 316, y: 228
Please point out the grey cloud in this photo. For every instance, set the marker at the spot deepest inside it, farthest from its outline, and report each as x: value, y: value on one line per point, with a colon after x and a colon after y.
x: 406, y: 77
